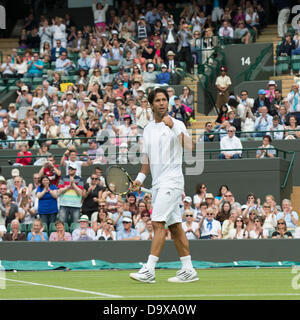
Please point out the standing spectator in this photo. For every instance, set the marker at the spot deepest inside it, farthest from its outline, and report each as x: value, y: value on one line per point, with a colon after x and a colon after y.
x: 70, y: 190
x: 60, y: 234
x: 263, y: 122
x: 9, y: 210
x: 47, y: 204
x: 33, y: 39
x: 92, y: 193
x: 209, y: 227
x: 78, y: 44
x: 178, y: 111
x: 293, y: 99
x: 288, y: 215
x: 44, y: 33
x: 57, y: 51
x: 37, y: 233
x: 252, y: 20
x: 169, y: 37
x: 261, y: 101
x: 58, y: 30
x: 185, y: 37
x: 223, y: 83
x: 15, y: 234
x: 21, y: 161
x: 51, y: 170
x: 230, y: 142
x: 187, y: 97
x: 99, y: 12
x: 284, y: 10
x: 24, y: 100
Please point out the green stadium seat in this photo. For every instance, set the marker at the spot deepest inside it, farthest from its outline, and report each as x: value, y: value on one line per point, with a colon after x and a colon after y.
x: 283, y: 59
x: 52, y: 227
x: 282, y: 68
x: 23, y: 227
x: 27, y: 80
x: 37, y: 81
x: 295, y: 58
x: 74, y: 225
x: 296, y: 66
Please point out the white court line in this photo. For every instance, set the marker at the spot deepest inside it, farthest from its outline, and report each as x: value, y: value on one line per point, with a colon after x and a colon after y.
x: 64, y: 288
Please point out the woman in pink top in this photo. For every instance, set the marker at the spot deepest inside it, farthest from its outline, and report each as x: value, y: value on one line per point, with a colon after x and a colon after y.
x: 60, y: 234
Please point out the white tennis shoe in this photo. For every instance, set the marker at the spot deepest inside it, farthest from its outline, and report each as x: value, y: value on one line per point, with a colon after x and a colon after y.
x: 184, y: 275
x: 144, y: 275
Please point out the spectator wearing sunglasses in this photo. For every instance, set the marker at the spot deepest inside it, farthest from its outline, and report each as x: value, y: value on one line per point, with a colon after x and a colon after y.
x: 258, y: 232
x: 190, y: 227
x: 230, y: 145
x: 239, y: 231
x: 209, y: 227
x: 281, y: 231
x: 107, y: 232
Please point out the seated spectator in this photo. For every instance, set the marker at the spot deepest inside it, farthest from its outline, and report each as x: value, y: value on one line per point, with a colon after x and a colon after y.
x: 143, y: 114
x: 230, y: 142
x: 33, y: 39
x: 258, y: 232
x: 234, y: 120
x: 269, y: 217
x: 164, y: 76
x: 263, y: 122
x: 46, y: 50
x: 15, y: 234
x: 98, y: 62
x: 78, y: 44
x: 293, y: 98
x: 289, y: 216
x: 9, y: 209
x: 21, y: 161
x: 228, y: 224
x: 266, y: 150
x: 116, y: 53
x: 60, y: 234
x: 37, y: 233
x: 128, y: 233
x: 57, y: 51
x: 20, y: 67
x: 83, y: 232
x: 147, y: 51
x: 12, y: 115
x: 148, y: 233
x: 62, y: 65
x: 190, y: 227
x: 107, y: 232
x: 226, y: 31
x: 209, y: 227
x: 242, y: 33
x: 286, y: 47
x: 276, y: 131
x: 224, y: 212
x: 84, y: 62
x: 252, y: 20
x: 291, y: 135
x: 99, y: 217
x: 281, y: 231
x: 239, y: 231
x: 7, y: 69
x: 208, y: 135
x: 150, y: 76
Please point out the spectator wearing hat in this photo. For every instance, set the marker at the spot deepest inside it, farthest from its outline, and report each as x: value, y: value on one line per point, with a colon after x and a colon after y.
x: 163, y: 77
x: 270, y: 92
x: 260, y: 101
x: 150, y: 75
x: 178, y: 110
x: 230, y: 145
x: 70, y: 190
x: 187, y: 205
x: 11, y: 182
x: 223, y: 84
x: 83, y: 232
x: 128, y: 233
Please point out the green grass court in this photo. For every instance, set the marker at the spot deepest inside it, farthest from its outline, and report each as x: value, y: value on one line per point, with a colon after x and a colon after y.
x: 214, y: 284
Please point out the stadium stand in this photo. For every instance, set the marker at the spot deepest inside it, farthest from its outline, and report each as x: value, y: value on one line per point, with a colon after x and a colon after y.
x: 70, y: 91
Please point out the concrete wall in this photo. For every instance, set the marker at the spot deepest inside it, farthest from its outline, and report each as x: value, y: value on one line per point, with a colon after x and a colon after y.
x: 267, y: 250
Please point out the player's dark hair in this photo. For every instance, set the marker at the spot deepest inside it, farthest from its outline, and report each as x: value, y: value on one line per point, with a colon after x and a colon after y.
x: 154, y: 92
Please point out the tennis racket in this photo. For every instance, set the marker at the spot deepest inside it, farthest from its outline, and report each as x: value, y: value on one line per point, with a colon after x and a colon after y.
x: 118, y: 181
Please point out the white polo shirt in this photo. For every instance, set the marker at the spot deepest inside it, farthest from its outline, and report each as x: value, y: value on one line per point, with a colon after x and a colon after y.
x: 164, y: 151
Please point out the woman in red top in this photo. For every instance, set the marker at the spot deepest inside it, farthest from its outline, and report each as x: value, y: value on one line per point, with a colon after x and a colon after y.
x: 24, y: 152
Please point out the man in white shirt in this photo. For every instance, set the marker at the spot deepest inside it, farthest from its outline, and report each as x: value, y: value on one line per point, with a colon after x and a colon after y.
x: 276, y: 130
x: 209, y: 227
x: 74, y: 162
x: 228, y: 143
x: 226, y: 31
x: 163, y: 141
x: 263, y: 122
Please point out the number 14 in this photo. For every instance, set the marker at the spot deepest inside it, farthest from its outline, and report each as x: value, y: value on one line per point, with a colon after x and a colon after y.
x: 246, y: 61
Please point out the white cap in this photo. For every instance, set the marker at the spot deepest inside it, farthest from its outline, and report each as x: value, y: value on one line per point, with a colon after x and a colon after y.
x: 123, y: 145
x: 127, y: 219
x: 15, y: 173
x: 272, y: 82
x: 187, y: 199
x: 164, y: 66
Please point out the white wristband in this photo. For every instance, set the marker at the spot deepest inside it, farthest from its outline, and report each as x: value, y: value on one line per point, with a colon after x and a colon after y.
x: 176, y: 129
x: 141, y: 177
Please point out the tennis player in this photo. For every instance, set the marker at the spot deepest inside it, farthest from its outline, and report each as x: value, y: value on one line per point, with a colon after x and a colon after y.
x: 163, y: 141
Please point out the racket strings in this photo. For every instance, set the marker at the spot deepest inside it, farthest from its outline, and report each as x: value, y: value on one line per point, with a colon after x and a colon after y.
x: 118, y: 181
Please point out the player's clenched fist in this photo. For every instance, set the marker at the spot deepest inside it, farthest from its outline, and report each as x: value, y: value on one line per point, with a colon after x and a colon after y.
x: 167, y: 120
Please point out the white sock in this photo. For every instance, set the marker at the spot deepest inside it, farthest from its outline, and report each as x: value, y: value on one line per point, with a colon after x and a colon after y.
x: 186, y: 262
x: 151, y: 263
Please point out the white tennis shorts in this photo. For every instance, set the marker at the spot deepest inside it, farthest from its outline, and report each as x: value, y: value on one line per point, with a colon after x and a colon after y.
x: 165, y: 204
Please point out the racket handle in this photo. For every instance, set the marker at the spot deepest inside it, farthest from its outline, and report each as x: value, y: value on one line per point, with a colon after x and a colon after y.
x: 146, y: 190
